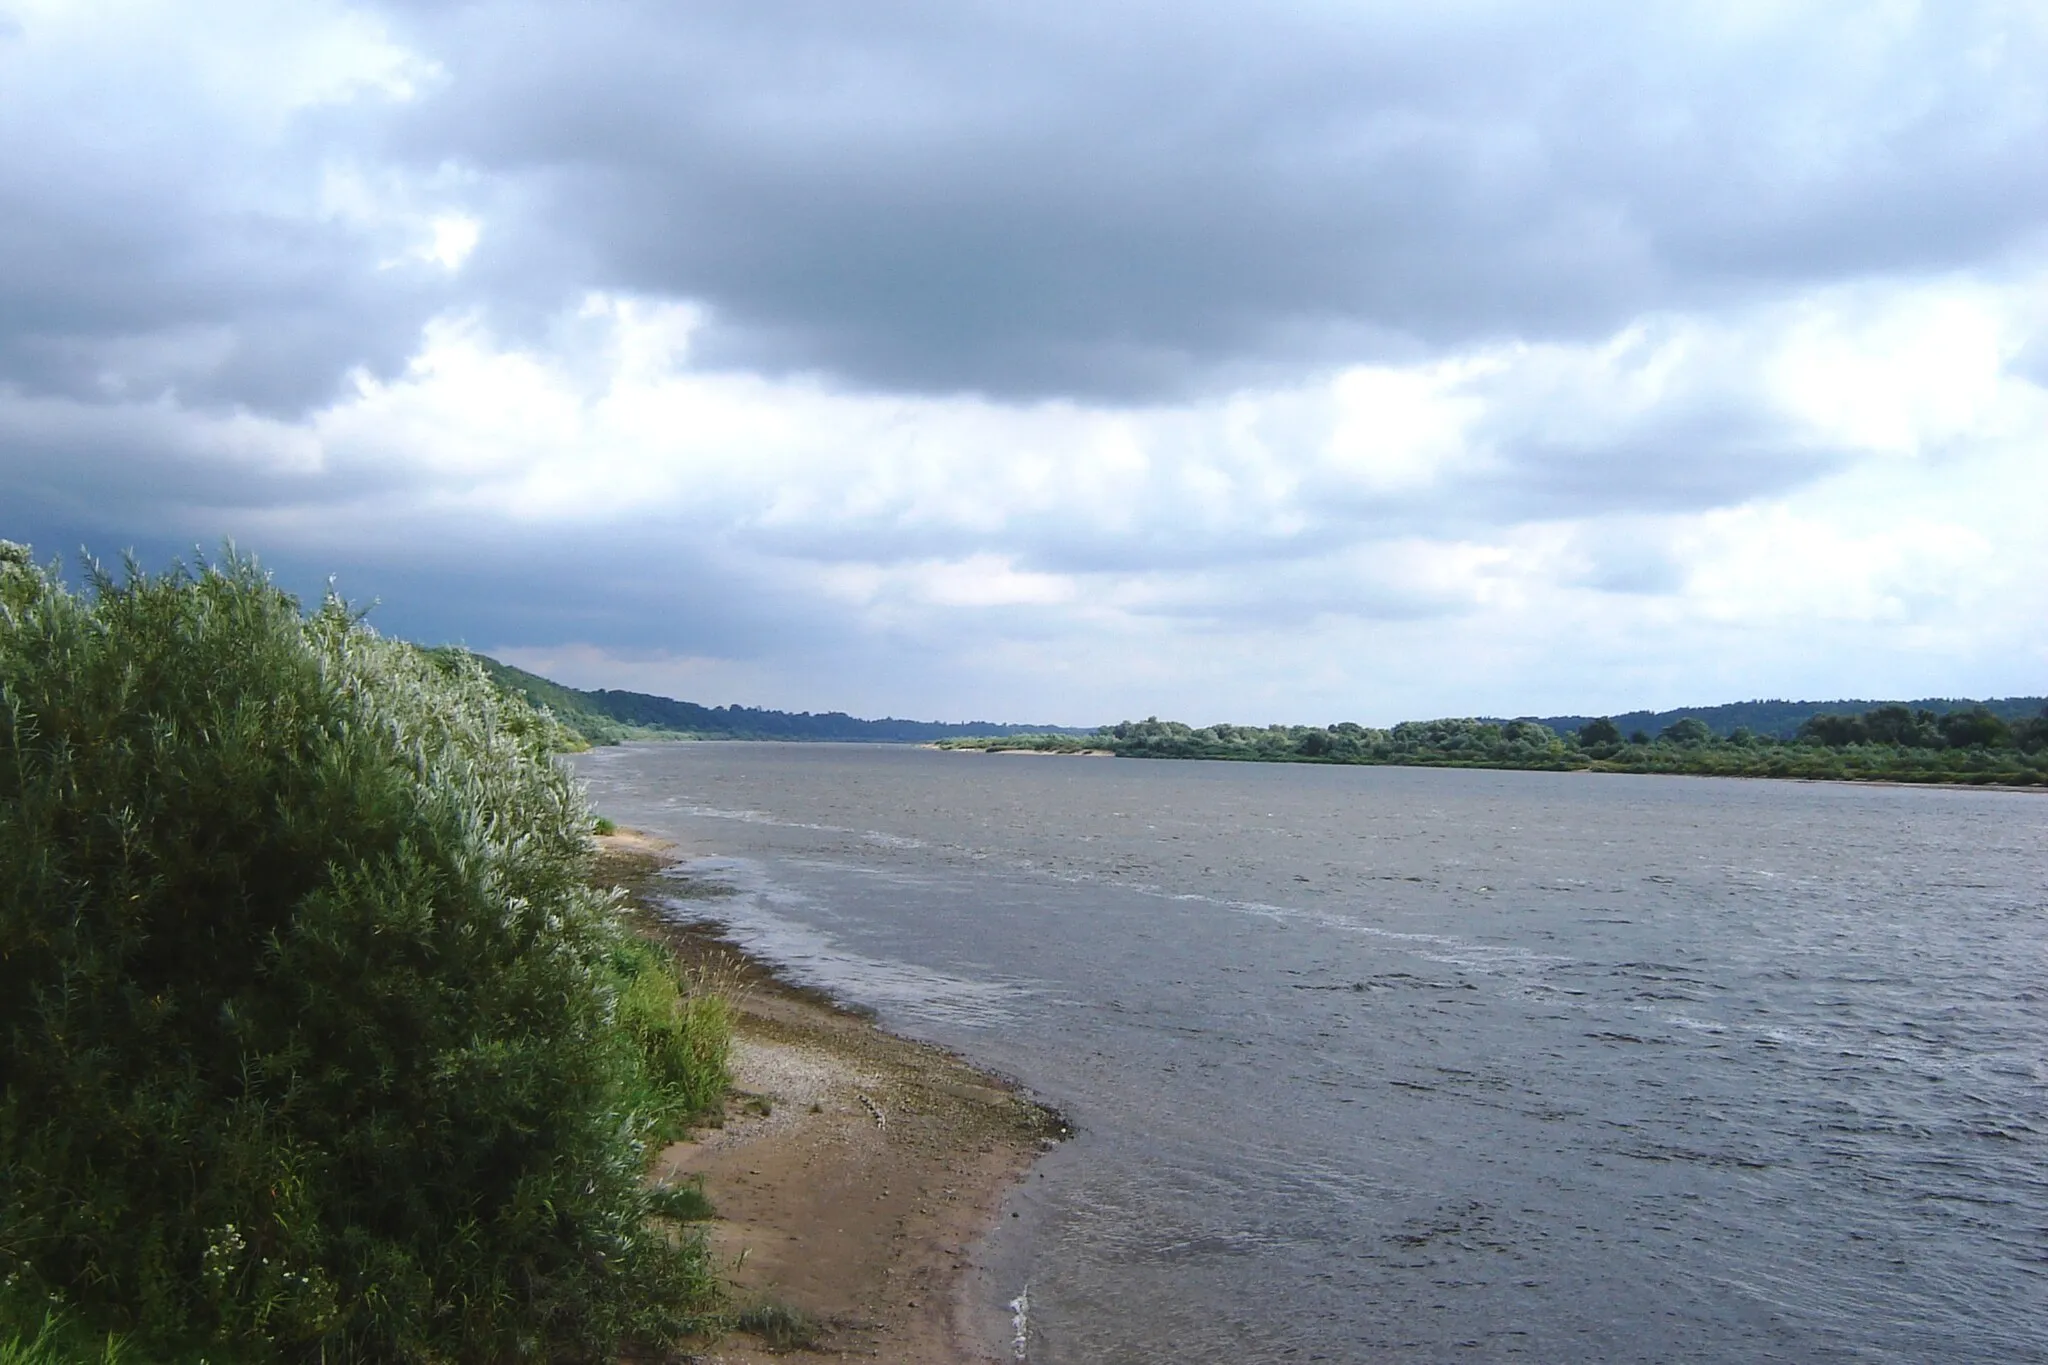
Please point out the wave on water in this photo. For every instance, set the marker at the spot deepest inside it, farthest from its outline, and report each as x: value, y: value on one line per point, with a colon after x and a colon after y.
x: 816, y: 957
x: 762, y: 817
x: 1020, y: 1323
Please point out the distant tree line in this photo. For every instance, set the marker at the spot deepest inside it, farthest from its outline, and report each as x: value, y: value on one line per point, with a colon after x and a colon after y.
x: 1895, y: 743
x: 1636, y: 740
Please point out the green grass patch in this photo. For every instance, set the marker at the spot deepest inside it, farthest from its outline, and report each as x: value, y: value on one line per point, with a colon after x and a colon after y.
x: 780, y: 1326
x: 685, y: 1203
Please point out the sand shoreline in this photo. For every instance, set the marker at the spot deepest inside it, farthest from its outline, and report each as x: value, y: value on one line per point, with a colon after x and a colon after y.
x: 856, y: 1170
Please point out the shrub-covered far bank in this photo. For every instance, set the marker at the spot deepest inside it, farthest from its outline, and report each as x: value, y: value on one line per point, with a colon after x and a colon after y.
x: 315, y: 1042
x: 1887, y: 743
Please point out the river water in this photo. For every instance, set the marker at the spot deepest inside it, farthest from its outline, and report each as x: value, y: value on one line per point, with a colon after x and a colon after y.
x: 1416, y: 1065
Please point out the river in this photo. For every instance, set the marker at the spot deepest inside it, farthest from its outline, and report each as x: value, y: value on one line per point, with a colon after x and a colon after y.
x: 1415, y: 1065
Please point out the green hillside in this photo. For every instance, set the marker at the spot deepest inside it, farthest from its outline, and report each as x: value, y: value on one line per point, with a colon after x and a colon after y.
x: 607, y: 716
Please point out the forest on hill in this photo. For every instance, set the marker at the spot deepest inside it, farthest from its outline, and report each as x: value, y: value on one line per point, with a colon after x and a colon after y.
x: 608, y: 716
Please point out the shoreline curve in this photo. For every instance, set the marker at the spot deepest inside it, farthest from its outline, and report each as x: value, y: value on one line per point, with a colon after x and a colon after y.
x: 856, y: 1172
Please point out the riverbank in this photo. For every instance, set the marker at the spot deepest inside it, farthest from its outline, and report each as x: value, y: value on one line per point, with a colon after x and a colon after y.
x: 1495, y: 750
x: 855, y: 1171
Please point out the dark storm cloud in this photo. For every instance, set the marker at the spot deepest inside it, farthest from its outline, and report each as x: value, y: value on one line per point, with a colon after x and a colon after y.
x: 1129, y: 199
x: 435, y: 579
x: 1119, y: 201
x: 115, y: 302
x: 621, y: 590
x: 1690, y: 454
x: 161, y: 240
x: 1671, y: 467
x: 141, y: 463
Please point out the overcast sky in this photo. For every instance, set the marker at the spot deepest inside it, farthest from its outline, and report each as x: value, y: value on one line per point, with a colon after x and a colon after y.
x: 1279, y: 362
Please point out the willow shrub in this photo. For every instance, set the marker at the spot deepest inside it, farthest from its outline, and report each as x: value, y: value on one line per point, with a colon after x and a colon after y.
x: 317, y: 1043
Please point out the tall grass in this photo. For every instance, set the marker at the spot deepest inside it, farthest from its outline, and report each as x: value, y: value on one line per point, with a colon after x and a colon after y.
x: 55, y: 1339
x: 314, y: 1041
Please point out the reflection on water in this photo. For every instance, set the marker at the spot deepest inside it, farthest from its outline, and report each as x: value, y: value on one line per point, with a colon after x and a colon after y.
x: 1420, y: 1065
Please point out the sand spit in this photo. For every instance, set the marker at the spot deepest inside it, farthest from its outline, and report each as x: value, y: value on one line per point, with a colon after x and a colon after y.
x: 855, y: 1171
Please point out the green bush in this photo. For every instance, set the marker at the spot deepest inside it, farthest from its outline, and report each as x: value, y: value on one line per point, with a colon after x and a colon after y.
x: 314, y: 1041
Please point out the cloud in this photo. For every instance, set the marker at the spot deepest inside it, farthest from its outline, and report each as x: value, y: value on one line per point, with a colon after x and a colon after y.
x: 246, y: 202
x: 1059, y: 364
x: 758, y: 517
x: 168, y: 221
x: 1151, y: 200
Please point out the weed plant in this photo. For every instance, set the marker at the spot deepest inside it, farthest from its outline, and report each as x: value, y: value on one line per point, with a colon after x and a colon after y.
x: 782, y: 1326
x: 315, y: 1043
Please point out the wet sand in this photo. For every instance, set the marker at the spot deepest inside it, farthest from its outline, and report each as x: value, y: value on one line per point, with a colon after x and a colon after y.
x: 855, y: 1171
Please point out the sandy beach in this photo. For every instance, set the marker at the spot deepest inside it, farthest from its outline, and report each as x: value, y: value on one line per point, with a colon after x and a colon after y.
x: 855, y: 1170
